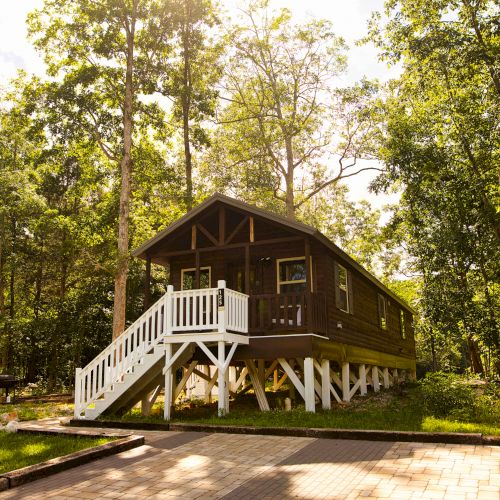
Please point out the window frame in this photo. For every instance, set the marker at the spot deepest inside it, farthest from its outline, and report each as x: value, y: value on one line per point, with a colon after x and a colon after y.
x: 382, y: 325
x: 292, y: 282
x: 190, y: 269
x: 402, y: 324
x: 344, y: 288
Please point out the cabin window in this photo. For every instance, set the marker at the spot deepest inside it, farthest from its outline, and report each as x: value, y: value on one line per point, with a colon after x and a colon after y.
x: 343, y: 289
x: 188, y: 277
x: 382, y: 312
x: 291, y: 275
x: 402, y: 323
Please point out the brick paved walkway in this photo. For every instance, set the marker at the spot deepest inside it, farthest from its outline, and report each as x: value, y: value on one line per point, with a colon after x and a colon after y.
x: 196, y: 465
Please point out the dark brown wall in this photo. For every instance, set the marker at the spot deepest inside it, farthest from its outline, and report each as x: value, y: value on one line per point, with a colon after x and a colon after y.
x: 360, y: 328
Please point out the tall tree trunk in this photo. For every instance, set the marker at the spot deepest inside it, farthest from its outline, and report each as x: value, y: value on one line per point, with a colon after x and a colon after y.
x: 3, y: 358
x: 186, y: 109
x: 289, y: 196
x: 9, y: 362
x: 433, y: 352
x: 120, y: 297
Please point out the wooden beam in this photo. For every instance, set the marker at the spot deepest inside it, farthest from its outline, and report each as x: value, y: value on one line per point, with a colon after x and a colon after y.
x: 247, y: 269
x: 252, y: 233
x: 346, y: 393
x: 193, y: 236
x: 271, y: 241
x: 259, y: 390
x: 325, y: 384
x: 362, y: 378
x: 207, y: 234
x: 307, y: 253
x: 197, y: 270
x: 292, y: 376
x: 222, y: 225
x: 184, y: 379
x: 237, y: 229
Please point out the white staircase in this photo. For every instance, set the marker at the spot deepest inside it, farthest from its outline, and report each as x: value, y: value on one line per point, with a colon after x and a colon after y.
x: 125, y: 370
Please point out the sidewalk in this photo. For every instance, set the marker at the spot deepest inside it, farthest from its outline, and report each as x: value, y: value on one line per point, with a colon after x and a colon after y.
x: 198, y: 465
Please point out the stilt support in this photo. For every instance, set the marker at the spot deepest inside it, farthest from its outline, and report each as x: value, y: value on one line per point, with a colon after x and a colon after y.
x: 325, y: 385
x: 346, y: 396
x: 309, y: 384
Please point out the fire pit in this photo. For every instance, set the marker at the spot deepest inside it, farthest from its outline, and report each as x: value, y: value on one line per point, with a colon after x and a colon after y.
x: 7, y: 382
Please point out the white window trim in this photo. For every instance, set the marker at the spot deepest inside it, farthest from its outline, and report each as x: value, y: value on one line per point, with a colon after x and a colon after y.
x: 384, y: 301
x: 288, y: 259
x: 345, y: 288
x: 402, y: 324
x: 189, y: 269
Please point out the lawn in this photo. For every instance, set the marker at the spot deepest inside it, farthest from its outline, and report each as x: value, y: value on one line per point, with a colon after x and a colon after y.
x: 388, y: 410
x: 20, y: 450
x: 36, y: 410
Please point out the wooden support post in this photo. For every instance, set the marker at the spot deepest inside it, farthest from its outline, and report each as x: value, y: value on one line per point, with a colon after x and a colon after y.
x: 307, y: 253
x: 221, y: 380
x: 395, y: 377
x: 261, y: 369
x: 222, y: 225
x: 252, y: 232
x: 325, y: 385
x: 345, y: 383
x: 193, y: 236
x: 147, y: 285
x: 260, y: 390
x: 247, y: 269
x: 309, y: 396
x: 197, y: 271
x: 362, y: 378
x: 275, y: 380
x: 167, y: 409
x: 206, y: 391
x: 145, y: 405
x: 221, y: 309
x: 375, y: 379
x: 387, y: 382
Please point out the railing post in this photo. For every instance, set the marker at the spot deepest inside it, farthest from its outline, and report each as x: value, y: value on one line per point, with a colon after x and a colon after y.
x: 168, y: 310
x: 78, y: 392
x: 221, y: 309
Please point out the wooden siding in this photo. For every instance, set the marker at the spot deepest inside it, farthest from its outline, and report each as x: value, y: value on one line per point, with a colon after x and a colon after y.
x: 359, y: 328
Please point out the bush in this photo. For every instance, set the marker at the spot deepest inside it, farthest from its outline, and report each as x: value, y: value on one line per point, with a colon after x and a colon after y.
x: 446, y: 394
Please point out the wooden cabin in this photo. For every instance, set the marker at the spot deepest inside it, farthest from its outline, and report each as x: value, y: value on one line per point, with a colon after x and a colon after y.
x: 257, y: 295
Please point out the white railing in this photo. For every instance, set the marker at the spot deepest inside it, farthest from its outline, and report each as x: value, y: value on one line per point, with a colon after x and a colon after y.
x: 210, y: 309
x: 194, y: 310
x: 236, y: 310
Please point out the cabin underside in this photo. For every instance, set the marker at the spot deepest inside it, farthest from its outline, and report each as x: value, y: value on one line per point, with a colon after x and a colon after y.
x: 315, y: 369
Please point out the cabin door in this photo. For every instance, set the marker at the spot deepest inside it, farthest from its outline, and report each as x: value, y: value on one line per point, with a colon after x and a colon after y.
x: 236, y: 276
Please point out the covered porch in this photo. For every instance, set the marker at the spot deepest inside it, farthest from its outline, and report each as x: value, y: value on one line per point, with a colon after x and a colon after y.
x: 273, y: 265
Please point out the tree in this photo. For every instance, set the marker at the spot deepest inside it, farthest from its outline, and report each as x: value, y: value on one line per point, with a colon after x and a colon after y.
x: 92, y: 47
x: 188, y: 66
x: 277, y: 82
x: 442, y: 145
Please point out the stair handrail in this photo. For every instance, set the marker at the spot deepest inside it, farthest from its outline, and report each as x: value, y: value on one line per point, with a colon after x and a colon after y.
x: 217, y: 309
x: 109, y: 366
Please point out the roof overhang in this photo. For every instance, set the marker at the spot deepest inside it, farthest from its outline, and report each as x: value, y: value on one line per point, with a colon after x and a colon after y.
x: 142, y: 251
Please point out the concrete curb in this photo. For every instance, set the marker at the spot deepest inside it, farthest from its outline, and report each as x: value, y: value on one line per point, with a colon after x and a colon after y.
x: 323, y: 433
x: 32, y: 472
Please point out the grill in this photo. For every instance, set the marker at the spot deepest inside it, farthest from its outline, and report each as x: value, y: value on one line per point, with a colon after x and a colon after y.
x: 7, y: 382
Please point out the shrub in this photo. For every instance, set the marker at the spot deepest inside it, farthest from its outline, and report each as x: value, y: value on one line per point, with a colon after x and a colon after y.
x: 446, y: 394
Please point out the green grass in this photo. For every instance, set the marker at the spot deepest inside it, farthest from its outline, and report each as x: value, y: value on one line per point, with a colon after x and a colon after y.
x: 20, y: 450
x: 388, y: 410
x: 35, y: 411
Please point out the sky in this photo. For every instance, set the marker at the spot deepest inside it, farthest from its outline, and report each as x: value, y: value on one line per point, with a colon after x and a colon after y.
x: 349, y: 19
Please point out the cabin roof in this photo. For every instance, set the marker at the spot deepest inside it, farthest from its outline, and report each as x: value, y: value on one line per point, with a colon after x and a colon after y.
x: 141, y: 252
